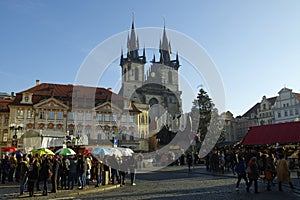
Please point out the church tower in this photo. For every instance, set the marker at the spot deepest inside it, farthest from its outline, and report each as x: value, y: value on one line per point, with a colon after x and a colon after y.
x: 132, y: 66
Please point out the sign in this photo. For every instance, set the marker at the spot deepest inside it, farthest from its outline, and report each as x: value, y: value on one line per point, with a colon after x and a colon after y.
x: 14, y: 143
x: 115, y: 142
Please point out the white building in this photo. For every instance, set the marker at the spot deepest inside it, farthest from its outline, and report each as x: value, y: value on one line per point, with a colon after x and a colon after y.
x: 287, y: 106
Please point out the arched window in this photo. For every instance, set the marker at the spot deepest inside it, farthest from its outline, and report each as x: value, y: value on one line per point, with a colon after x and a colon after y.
x: 136, y: 75
x: 170, y: 78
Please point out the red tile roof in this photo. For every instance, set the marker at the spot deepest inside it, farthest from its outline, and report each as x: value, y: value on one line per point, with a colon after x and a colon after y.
x: 273, y: 133
x: 70, y: 93
x: 4, y: 105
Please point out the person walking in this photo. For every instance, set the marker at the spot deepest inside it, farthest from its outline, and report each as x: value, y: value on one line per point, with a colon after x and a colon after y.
x: 132, y: 164
x: 283, y: 173
x: 73, y: 172
x: 23, y: 166
x: 55, y: 171
x: 46, y: 174
x: 5, y: 168
x: 253, y: 174
x: 98, y: 172
x: 269, y: 171
x: 189, y: 160
x: 33, y: 175
x: 241, y: 172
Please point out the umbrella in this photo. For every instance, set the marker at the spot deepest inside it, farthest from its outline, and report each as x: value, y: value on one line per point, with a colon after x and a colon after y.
x: 101, y: 151
x: 65, y: 152
x: 126, y: 151
x: 86, y: 152
x: 115, y: 152
x: 42, y: 151
x: 9, y: 149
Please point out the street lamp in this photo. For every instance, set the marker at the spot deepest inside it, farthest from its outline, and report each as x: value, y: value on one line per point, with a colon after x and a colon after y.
x: 14, y: 127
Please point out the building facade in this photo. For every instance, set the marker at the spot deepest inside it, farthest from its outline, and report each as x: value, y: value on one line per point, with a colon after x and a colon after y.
x: 287, y: 106
x: 85, y: 113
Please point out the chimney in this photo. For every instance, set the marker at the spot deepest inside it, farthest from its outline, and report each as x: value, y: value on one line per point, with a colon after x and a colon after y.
x: 37, y: 82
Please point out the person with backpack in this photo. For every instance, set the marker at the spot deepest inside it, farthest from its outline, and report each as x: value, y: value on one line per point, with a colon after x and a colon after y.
x: 241, y: 172
x: 253, y: 174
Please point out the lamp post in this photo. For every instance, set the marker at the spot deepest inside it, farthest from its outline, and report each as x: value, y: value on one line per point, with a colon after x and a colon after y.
x: 14, y: 127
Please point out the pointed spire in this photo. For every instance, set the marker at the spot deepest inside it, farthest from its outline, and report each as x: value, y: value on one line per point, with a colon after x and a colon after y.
x: 133, y: 42
x: 164, y: 47
x: 122, y: 57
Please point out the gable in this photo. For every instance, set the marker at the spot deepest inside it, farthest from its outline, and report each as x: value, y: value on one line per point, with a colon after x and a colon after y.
x: 51, y: 103
x: 108, y: 107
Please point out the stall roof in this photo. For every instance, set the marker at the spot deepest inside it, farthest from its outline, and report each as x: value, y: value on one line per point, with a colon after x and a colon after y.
x: 274, y: 133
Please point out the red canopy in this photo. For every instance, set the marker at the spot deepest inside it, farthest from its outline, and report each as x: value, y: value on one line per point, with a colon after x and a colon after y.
x: 9, y: 149
x: 273, y: 133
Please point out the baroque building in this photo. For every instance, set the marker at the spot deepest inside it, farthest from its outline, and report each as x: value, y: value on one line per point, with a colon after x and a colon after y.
x: 158, y: 87
x: 69, y: 110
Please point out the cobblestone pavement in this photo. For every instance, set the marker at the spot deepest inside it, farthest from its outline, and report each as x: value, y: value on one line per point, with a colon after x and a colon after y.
x: 169, y: 183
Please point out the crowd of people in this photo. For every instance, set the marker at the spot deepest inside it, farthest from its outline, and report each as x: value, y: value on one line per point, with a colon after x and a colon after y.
x: 251, y: 165
x: 64, y: 172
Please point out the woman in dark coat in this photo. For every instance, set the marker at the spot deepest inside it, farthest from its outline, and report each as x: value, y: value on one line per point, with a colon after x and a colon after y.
x: 46, y: 170
x: 253, y: 175
x: 33, y: 174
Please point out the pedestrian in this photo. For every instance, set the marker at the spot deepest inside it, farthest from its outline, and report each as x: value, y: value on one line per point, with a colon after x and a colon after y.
x: 123, y: 169
x: 73, y: 172
x: 132, y: 164
x: 47, y: 173
x: 269, y: 172
x: 283, y: 173
x: 23, y: 167
x: 189, y: 160
x: 33, y: 174
x: 5, y: 168
x: 13, y: 165
x: 241, y: 172
x: 98, y: 171
x: 253, y: 174
x: 55, y: 171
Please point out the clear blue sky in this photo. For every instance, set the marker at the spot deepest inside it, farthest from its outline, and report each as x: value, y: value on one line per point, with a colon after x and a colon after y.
x: 255, y: 44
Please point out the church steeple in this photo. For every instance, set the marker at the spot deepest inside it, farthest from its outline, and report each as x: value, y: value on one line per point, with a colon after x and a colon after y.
x: 165, y: 48
x: 133, y: 42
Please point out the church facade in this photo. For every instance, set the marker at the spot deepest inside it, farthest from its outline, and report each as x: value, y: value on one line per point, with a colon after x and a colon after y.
x: 157, y: 85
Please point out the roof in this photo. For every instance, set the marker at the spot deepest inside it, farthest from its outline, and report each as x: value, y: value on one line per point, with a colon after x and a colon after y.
x: 274, y: 133
x: 4, y: 105
x: 71, y: 93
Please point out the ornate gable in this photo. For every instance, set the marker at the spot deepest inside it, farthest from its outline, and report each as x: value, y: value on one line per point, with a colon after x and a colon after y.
x: 51, y: 103
x: 108, y: 107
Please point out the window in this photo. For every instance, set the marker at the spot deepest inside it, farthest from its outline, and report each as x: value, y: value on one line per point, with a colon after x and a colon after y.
x: 143, y: 135
x: 41, y: 115
x: 50, y: 115
x: 131, y: 136
x: 279, y: 114
x: 124, y: 118
x: 285, y: 113
x: 136, y: 77
x: 291, y: 113
x: 143, y: 120
x: 131, y: 119
x: 20, y: 113
x: 296, y: 112
x: 6, y: 120
x: 99, y: 117
x: 71, y: 116
x: 107, y: 135
x: 88, y: 116
x: 264, y: 106
x: 107, y: 117
x: 170, y: 77
x: 80, y: 116
x: 114, y: 118
x: 123, y: 135
x: 59, y: 115
x: 30, y: 114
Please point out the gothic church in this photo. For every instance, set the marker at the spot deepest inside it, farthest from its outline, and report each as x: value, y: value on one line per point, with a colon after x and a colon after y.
x: 158, y: 86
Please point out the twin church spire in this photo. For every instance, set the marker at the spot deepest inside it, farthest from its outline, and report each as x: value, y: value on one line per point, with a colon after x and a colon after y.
x: 133, y: 50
